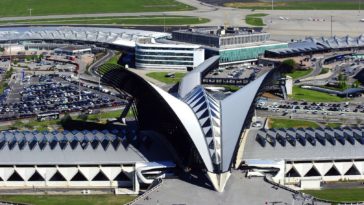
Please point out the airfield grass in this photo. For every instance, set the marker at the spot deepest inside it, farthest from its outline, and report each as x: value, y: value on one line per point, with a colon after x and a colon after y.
x: 297, y: 5
x: 289, y: 123
x: 313, y: 96
x: 255, y: 19
x: 150, y: 20
x: 69, y: 200
x: 300, y: 73
x: 51, y: 7
x: 339, y: 195
x: 161, y: 76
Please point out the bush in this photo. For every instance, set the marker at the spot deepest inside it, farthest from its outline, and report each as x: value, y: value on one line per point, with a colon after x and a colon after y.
x: 66, y: 118
x: 288, y: 66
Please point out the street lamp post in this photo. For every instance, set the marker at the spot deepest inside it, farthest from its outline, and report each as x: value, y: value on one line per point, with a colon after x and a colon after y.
x: 359, y: 6
x: 30, y: 11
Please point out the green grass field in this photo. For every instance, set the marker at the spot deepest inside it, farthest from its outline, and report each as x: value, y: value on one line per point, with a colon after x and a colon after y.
x: 150, y: 20
x: 161, y: 76
x: 255, y: 19
x: 324, y: 70
x: 69, y: 200
x: 115, y: 58
x: 231, y: 88
x: 288, y: 123
x: 45, y: 125
x: 338, y: 195
x: 300, y: 73
x: 313, y: 96
x: 297, y: 5
x: 50, y: 7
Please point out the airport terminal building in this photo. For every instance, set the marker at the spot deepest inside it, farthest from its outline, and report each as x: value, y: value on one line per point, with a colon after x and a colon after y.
x: 306, y: 158
x: 234, y: 45
x: 152, y: 54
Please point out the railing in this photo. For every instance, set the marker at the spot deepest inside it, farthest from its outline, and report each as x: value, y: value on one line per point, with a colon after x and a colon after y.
x: 268, y: 179
x: 154, y: 186
x: 12, y: 203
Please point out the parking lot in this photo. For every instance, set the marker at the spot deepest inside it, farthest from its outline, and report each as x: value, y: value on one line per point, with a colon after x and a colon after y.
x: 310, y: 107
x: 46, y: 93
x: 241, y: 72
x: 348, y: 112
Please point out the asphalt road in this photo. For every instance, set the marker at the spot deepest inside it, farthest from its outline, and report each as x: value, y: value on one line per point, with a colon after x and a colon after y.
x: 93, y: 68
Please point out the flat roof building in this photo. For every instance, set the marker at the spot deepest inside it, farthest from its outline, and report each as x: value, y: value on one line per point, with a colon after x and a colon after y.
x: 73, y: 50
x: 323, y: 154
x: 234, y: 45
x: 153, y: 54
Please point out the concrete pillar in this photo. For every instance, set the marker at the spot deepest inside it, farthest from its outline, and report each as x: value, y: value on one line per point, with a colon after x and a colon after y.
x: 136, y: 185
x: 289, y: 85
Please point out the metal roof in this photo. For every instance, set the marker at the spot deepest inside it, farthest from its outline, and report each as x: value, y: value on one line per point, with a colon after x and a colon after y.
x: 116, y: 36
x: 75, y: 147
x: 305, y: 144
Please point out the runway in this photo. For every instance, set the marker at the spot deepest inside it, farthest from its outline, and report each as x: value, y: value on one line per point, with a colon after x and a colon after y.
x: 295, y: 24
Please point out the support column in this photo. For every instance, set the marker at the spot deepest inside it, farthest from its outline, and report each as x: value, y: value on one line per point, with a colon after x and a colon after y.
x: 136, y: 185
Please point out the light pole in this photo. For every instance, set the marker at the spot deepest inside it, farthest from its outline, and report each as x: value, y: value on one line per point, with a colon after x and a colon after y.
x: 30, y: 11
x: 164, y: 22
x: 359, y: 6
x: 331, y: 26
x: 272, y: 5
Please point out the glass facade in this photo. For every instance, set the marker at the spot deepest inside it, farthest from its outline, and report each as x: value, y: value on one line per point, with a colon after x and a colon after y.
x: 248, y: 53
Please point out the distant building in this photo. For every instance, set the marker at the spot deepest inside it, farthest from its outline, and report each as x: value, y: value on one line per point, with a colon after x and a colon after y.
x: 152, y: 54
x: 234, y: 45
x: 13, y: 49
x: 311, y: 45
x: 73, y: 50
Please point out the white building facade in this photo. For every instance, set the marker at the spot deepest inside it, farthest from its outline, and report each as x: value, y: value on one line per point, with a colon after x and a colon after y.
x: 149, y: 54
x: 306, y: 158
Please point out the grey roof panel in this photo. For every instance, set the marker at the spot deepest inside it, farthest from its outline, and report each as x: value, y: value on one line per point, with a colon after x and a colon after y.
x: 319, y: 151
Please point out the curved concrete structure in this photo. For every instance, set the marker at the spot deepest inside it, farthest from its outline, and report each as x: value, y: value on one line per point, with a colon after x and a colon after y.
x: 204, y: 131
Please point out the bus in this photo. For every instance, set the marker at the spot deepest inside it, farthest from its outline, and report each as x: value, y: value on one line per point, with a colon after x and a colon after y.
x: 47, y: 116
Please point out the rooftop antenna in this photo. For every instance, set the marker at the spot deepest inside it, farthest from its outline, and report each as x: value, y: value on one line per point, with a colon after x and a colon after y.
x: 226, y: 23
x: 359, y: 1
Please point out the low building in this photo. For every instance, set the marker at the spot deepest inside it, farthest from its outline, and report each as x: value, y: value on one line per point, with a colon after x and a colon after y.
x: 234, y: 45
x: 73, y: 50
x: 296, y: 156
x: 77, y: 159
x: 311, y: 45
x: 152, y: 54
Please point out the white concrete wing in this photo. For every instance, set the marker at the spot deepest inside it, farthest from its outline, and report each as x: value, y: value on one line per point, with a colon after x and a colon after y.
x: 234, y: 111
x: 191, y: 124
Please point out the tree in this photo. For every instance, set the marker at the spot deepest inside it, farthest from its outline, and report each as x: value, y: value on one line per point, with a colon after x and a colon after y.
x: 355, y: 84
x: 288, y: 66
x: 66, y: 118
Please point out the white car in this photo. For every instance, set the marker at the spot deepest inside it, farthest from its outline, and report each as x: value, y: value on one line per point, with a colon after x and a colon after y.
x: 257, y: 124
